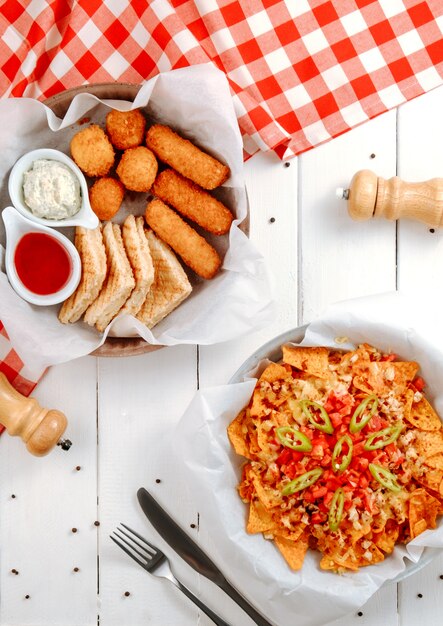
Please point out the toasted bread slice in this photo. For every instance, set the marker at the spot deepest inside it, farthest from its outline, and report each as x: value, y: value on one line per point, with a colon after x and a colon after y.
x: 137, y: 250
x: 170, y: 287
x: 119, y: 281
x: 89, y: 243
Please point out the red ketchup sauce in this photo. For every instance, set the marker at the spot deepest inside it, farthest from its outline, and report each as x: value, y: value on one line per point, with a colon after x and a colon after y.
x: 42, y: 263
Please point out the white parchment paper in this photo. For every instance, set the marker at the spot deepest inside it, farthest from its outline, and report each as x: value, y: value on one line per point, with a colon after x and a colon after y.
x: 196, y: 101
x: 311, y: 596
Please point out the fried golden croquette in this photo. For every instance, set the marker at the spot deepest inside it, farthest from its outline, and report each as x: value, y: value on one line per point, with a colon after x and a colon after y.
x: 105, y: 197
x: 137, y: 169
x: 126, y: 129
x: 184, y: 240
x: 193, y: 202
x: 92, y: 151
x: 186, y: 158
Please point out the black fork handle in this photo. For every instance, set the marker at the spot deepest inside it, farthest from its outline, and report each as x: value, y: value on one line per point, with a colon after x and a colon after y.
x: 215, y: 618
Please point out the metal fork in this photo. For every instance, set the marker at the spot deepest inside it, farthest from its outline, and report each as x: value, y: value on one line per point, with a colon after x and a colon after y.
x: 155, y: 562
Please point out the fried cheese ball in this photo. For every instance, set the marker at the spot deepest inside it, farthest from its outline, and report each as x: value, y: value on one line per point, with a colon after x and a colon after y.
x: 92, y: 151
x: 106, y: 196
x: 126, y: 129
x: 137, y: 168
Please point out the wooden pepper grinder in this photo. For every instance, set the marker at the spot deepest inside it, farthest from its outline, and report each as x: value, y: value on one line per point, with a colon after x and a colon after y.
x: 370, y: 195
x: 41, y: 429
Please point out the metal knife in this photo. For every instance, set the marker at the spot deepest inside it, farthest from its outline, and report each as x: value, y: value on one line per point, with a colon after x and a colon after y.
x: 192, y: 553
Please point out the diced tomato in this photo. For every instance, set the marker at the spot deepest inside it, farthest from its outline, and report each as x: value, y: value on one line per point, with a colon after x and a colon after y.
x: 317, y: 451
x: 419, y: 383
x: 319, y: 492
x: 376, y: 423
x: 399, y: 461
x: 284, y: 457
x: 381, y: 457
x: 359, y: 448
x: 291, y: 470
x: 297, y: 455
x: 363, y: 482
x: 333, y: 484
x: 316, y: 518
x: 348, y: 504
x: 320, y: 440
x: 326, y: 460
x: 328, y: 497
x: 390, y: 448
x: 336, y: 419
x: 308, y: 497
x: 388, y: 357
x: 363, y: 464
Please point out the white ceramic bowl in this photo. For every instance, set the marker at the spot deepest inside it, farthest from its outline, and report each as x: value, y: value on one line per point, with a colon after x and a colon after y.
x: 85, y: 216
x: 272, y: 351
x: 16, y: 227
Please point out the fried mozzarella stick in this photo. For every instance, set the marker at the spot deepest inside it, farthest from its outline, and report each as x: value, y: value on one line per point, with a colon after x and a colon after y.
x: 193, y: 202
x: 185, y: 157
x: 184, y: 240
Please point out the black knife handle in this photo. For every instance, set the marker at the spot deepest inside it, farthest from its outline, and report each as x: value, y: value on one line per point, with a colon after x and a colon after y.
x: 215, y: 618
x: 244, y: 604
x: 176, y: 537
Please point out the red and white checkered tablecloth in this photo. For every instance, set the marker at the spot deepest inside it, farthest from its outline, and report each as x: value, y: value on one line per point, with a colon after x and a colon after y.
x: 301, y: 71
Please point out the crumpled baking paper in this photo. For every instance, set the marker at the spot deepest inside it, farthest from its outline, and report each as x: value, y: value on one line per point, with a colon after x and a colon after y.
x: 208, y: 463
x: 195, y: 101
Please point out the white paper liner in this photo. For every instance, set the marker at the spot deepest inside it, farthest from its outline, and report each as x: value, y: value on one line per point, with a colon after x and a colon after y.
x: 197, y: 102
x: 208, y: 462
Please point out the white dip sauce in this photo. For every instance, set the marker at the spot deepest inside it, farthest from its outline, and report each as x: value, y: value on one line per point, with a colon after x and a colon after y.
x: 51, y: 190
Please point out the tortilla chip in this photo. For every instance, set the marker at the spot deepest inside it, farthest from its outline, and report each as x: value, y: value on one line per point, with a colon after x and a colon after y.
x: 314, y: 361
x: 259, y: 519
x: 428, y: 443
x: 337, y: 562
x: 423, y: 511
x: 361, y: 383
x: 293, y: 551
x: 270, y: 391
x: 386, y: 539
x: 269, y: 497
x: 376, y: 555
x: 274, y: 372
x: 435, y: 461
x: 384, y: 376
x: 421, y: 414
x: 432, y: 479
x: 237, y: 436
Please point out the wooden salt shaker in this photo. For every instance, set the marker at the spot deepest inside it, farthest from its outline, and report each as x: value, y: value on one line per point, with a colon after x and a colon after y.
x: 41, y: 429
x: 370, y: 195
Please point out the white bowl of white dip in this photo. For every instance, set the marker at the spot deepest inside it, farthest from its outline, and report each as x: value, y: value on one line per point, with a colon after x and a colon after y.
x: 48, y: 188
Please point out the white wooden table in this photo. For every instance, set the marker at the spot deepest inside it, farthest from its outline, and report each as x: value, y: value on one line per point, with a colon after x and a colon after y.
x: 122, y: 411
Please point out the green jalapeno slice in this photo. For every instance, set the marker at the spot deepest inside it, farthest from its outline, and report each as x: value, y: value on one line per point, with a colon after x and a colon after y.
x: 302, y: 482
x: 363, y: 414
x: 294, y: 439
x: 336, y: 509
x: 321, y: 422
x: 340, y: 462
x: 383, y: 437
x: 384, y: 477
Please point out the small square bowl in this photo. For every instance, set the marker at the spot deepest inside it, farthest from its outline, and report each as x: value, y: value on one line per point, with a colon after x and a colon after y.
x: 84, y: 217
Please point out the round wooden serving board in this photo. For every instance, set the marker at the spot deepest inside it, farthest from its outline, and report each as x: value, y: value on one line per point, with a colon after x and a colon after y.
x: 59, y: 104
